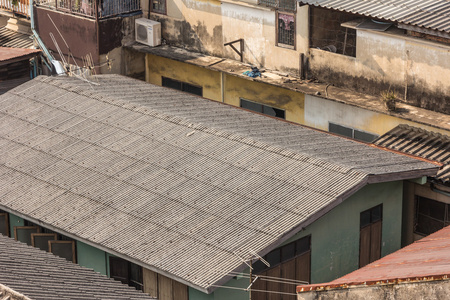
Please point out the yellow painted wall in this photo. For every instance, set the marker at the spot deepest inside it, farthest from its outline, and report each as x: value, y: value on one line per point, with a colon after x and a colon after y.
x: 234, y: 87
x: 210, y: 80
x: 292, y: 102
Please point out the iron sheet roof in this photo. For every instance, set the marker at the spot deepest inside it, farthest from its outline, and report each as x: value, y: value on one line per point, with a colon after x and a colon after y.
x: 14, y: 39
x: 419, y: 142
x: 41, y: 275
x: 426, y: 259
x: 181, y: 185
x: 430, y: 14
x: 7, y: 53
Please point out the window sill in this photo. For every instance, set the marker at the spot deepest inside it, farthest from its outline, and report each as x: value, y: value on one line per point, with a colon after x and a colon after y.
x: 285, y: 46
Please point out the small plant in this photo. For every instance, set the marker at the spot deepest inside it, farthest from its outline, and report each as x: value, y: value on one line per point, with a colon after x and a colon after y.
x: 389, y: 98
x: 15, y: 2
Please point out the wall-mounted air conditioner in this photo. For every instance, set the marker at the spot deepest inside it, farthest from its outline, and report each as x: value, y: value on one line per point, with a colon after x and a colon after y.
x: 148, y: 32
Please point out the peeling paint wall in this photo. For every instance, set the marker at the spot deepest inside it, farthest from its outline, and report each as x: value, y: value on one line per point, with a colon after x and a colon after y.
x: 415, y: 68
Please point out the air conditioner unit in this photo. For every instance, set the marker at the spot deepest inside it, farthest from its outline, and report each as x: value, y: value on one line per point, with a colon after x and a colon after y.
x: 148, y: 32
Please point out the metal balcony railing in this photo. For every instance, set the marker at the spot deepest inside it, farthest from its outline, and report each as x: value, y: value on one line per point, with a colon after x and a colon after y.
x: 87, y: 8
x: 21, y: 7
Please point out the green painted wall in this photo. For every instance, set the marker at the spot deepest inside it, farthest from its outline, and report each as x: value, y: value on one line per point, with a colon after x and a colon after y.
x: 15, y: 221
x: 92, y: 258
x: 335, y: 238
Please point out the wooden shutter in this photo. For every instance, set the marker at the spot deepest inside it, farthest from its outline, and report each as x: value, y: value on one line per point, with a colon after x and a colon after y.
x: 64, y: 249
x: 259, y: 285
x: 150, y: 280
x: 288, y: 272
x: 375, y: 241
x: 303, y: 267
x: 364, y: 246
x: 40, y: 240
x: 165, y: 288
x: 23, y: 233
x: 180, y: 291
x: 4, y: 224
x: 274, y: 286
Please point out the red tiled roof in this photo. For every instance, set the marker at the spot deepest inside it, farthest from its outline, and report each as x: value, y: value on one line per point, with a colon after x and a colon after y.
x: 426, y: 259
x: 12, y: 53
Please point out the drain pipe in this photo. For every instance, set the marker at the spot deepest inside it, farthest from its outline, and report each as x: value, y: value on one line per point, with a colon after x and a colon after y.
x: 41, y: 44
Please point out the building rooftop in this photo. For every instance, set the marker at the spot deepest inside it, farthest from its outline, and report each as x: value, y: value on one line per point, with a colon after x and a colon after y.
x: 9, y: 55
x: 171, y: 181
x: 421, y: 143
x: 36, y: 274
x: 429, y: 14
x: 14, y: 39
x: 424, y: 260
x: 323, y: 90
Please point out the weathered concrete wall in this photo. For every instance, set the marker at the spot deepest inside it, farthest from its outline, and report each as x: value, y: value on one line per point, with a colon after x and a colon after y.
x: 431, y: 290
x: 319, y: 112
x: 205, y: 26
x: 415, y: 68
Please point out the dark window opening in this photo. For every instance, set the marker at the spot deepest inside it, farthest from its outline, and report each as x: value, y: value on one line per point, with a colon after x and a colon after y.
x: 126, y: 272
x: 264, y: 109
x: 182, y: 86
x: 4, y: 223
x: 352, y: 133
x: 158, y: 6
x: 370, y: 226
x: 430, y: 216
x: 326, y: 32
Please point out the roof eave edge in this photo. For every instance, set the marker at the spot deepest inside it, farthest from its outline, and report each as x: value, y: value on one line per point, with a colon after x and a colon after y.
x: 388, y: 177
x: 110, y: 251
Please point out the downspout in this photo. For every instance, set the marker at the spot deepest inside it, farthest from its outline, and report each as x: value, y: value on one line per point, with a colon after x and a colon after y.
x: 41, y: 44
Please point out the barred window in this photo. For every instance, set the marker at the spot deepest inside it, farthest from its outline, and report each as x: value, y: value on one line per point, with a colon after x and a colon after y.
x: 286, y: 29
x: 158, y: 6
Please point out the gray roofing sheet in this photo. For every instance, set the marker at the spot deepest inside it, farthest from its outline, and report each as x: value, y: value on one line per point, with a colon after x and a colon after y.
x: 177, y: 193
x: 419, y: 142
x: 430, y: 14
x: 41, y: 275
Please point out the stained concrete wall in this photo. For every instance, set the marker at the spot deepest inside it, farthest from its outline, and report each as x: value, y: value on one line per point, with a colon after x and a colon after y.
x: 319, y: 112
x: 430, y: 290
x: 415, y: 68
x: 205, y: 26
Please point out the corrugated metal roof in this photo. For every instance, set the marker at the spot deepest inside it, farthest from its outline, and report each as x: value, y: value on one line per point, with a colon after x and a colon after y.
x: 426, y: 259
x: 14, y: 39
x: 41, y: 275
x: 430, y: 14
x: 419, y: 142
x: 7, y: 53
x: 171, y: 181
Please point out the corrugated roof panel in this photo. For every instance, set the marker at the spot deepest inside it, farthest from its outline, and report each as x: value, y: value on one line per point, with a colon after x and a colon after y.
x: 421, y: 143
x: 430, y: 14
x: 174, y: 180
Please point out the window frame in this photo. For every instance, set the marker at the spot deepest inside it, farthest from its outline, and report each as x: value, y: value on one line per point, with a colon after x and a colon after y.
x: 183, y: 86
x: 277, y: 33
x: 330, y: 124
x: 157, y: 11
x: 446, y: 219
x: 129, y: 280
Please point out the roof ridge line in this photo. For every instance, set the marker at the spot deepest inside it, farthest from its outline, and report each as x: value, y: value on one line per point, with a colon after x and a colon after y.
x: 287, y: 152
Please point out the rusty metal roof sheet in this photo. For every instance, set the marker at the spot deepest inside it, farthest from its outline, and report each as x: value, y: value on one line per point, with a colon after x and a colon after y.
x: 37, y: 274
x: 14, y: 39
x: 7, y: 53
x: 171, y: 181
x: 425, y: 259
x: 430, y: 14
x: 419, y: 142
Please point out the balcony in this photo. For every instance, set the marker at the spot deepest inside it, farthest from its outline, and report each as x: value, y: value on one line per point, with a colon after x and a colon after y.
x: 21, y: 7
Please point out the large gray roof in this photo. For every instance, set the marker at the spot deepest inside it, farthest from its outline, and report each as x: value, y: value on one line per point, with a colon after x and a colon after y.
x: 41, y: 275
x: 178, y: 184
x: 430, y: 14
